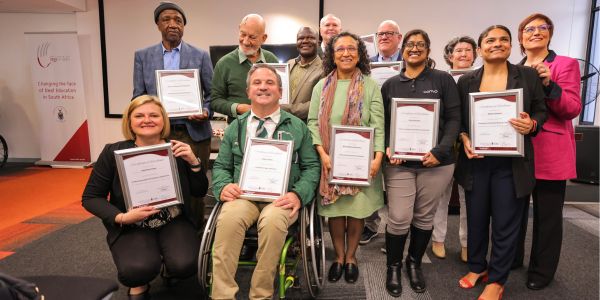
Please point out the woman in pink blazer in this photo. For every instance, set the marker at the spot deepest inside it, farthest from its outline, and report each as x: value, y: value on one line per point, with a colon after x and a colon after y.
x: 554, y: 147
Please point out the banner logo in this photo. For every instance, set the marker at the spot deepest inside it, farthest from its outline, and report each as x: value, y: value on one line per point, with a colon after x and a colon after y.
x: 44, y: 60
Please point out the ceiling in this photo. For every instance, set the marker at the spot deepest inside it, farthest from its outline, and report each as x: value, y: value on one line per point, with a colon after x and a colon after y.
x: 42, y: 6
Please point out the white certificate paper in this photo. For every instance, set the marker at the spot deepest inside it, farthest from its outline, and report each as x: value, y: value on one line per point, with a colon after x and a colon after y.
x: 179, y: 91
x: 491, y: 132
x: 456, y: 74
x: 414, y: 127
x: 351, y: 155
x: 265, y: 169
x: 370, y: 41
x: 284, y: 72
x: 148, y: 176
x: 382, y: 71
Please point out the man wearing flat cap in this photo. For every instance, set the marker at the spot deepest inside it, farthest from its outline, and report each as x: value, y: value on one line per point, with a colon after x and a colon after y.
x: 172, y: 53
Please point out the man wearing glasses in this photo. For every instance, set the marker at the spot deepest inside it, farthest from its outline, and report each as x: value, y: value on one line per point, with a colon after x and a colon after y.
x: 229, y: 79
x: 388, y: 40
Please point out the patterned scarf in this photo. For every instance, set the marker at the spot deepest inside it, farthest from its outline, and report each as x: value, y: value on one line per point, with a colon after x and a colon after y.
x: 352, y: 116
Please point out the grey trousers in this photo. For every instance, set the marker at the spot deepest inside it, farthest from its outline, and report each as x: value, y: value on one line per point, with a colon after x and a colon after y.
x: 413, y: 196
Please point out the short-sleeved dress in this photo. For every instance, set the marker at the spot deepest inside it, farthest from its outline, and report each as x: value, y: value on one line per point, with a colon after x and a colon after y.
x: 369, y: 199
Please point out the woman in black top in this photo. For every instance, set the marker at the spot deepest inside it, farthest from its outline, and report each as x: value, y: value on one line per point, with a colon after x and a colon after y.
x: 144, y: 238
x: 414, y: 187
x: 497, y: 186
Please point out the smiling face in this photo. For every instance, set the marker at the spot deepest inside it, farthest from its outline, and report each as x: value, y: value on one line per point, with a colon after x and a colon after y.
x: 147, y: 121
x: 462, y: 56
x: 170, y: 24
x: 537, y: 39
x: 251, y: 37
x: 329, y: 28
x: 415, y: 51
x: 306, y: 42
x: 345, y: 54
x: 263, y: 90
x: 495, y: 46
x: 388, y: 39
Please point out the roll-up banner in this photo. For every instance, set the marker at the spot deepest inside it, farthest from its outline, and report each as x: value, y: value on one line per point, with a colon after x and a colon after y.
x: 57, y: 83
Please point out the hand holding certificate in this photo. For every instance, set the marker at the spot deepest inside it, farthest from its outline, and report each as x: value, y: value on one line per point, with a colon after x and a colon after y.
x: 149, y: 176
x: 265, y: 169
x: 491, y: 131
x: 179, y: 91
x: 414, y: 127
x: 351, y: 154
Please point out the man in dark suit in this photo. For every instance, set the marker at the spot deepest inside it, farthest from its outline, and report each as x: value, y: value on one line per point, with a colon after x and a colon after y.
x: 172, y: 53
x: 305, y: 71
x: 388, y: 40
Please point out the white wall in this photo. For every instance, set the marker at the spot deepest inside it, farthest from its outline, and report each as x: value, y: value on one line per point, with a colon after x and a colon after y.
x: 18, y: 116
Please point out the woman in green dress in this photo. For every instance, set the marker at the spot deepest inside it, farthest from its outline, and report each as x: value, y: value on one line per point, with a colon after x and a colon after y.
x: 346, y: 96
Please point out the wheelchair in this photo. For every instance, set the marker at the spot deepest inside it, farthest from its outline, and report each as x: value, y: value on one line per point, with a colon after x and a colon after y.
x: 304, y: 245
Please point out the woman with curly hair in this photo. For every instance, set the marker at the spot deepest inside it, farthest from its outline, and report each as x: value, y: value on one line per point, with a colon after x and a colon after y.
x: 346, y: 96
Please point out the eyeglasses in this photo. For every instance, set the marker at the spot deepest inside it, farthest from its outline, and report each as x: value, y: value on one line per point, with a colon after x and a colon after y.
x: 341, y: 50
x: 541, y: 28
x: 420, y: 45
x: 462, y: 50
x: 388, y: 34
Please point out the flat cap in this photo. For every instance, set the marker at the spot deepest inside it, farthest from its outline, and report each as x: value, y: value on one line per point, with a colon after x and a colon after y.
x: 168, y: 5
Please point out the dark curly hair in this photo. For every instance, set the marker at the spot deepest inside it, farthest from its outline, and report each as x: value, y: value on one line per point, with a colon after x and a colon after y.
x: 449, y: 49
x: 363, y: 58
x: 430, y: 61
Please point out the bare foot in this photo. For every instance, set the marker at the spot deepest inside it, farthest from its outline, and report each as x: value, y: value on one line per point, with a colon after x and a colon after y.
x: 492, y: 291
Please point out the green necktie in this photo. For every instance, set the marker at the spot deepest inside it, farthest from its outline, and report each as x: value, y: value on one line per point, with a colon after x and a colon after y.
x: 261, y: 131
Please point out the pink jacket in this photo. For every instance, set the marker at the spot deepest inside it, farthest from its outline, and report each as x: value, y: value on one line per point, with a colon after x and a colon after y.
x: 554, y: 145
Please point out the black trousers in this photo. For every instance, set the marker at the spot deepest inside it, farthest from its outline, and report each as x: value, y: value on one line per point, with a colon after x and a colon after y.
x: 138, y: 253
x: 548, y: 203
x: 493, y: 195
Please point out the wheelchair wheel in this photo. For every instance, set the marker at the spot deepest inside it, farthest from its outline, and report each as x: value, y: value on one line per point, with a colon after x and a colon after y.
x: 3, y: 151
x: 205, y: 257
x: 313, y: 249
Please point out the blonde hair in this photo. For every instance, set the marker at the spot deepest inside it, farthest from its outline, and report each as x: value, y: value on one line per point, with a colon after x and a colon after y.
x: 137, y: 102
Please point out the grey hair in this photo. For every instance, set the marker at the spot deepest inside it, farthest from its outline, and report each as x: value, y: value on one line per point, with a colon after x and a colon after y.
x: 329, y: 16
x: 262, y: 66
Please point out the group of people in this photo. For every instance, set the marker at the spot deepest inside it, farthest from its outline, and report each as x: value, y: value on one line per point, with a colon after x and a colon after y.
x: 330, y: 85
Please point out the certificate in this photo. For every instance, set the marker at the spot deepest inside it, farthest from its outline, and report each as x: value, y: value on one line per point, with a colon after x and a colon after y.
x: 284, y: 72
x: 370, y: 41
x: 460, y: 72
x: 179, y: 92
x: 149, y: 176
x: 351, y: 154
x: 382, y: 71
x: 491, y: 132
x: 414, y: 127
x: 265, y: 169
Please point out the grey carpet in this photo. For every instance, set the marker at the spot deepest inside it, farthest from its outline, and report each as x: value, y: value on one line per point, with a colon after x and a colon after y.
x: 80, y: 250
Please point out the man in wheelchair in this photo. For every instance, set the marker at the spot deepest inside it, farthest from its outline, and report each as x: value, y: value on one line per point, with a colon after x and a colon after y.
x: 265, y: 119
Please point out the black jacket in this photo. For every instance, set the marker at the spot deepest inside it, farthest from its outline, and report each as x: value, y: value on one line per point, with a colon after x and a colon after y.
x: 533, y: 103
x: 104, y: 181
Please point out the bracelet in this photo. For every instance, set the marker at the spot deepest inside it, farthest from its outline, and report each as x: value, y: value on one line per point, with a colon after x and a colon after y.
x: 198, y: 165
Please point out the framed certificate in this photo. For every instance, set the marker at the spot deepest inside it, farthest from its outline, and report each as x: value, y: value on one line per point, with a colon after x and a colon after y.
x: 149, y: 176
x: 179, y: 91
x: 491, y: 132
x: 284, y: 72
x: 382, y: 71
x: 460, y: 72
x: 370, y: 41
x: 414, y: 127
x: 351, y: 154
x: 265, y: 169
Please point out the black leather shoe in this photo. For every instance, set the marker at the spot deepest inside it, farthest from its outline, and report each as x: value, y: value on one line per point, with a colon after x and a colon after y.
x: 247, y: 252
x: 536, y: 286
x: 393, y: 283
x: 335, y: 272
x: 350, y: 272
x: 415, y: 276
